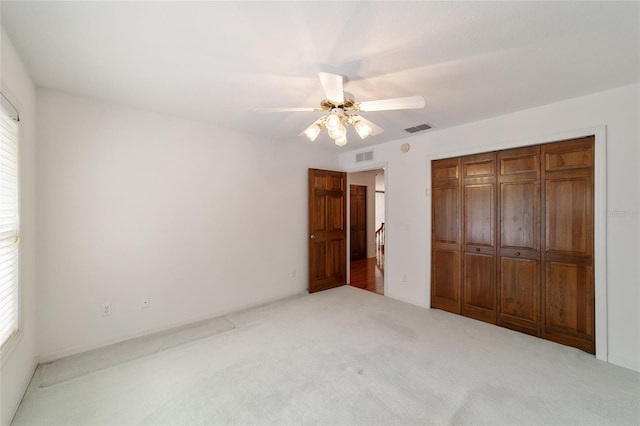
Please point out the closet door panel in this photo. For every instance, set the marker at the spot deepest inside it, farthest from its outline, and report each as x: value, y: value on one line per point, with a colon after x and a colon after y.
x: 520, y: 214
x: 479, y: 202
x: 569, y: 214
x: 479, y: 237
x: 569, y: 305
x: 519, y: 299
x: 519, y: 239
x: 479, y: 287
x: 445, y: 238
x: 520, y: 163
x: 445, y: 218
x: 446, y: 280
x: 479, y: 166
x: 568, y: 291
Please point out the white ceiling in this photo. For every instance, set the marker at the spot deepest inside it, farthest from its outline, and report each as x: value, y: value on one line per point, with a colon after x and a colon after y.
x: 217, y: 61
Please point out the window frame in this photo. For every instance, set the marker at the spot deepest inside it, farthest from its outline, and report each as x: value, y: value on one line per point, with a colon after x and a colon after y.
x: 8, y: 108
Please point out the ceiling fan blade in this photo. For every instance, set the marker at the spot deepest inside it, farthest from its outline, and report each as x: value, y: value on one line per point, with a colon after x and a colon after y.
x: 333, y: 88
x: 299, y: 109
x: 375, y: 129
x: 409, y: 102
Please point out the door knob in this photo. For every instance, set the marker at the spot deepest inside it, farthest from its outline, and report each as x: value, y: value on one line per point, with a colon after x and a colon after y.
x: 313, y: 237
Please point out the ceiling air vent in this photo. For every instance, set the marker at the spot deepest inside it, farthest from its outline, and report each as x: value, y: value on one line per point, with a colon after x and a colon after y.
x: 364, y: 156
x: 418, y: 128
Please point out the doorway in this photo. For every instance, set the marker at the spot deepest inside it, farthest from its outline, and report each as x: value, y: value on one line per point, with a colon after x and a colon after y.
x: 367, y: 216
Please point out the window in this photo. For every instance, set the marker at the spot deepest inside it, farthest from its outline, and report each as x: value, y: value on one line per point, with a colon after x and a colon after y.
x: 9, y: 221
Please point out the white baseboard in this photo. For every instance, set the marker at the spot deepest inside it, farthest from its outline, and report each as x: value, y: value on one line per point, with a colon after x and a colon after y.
x: 84, y: 348
x: 624, y: 362
x: 25, y: 386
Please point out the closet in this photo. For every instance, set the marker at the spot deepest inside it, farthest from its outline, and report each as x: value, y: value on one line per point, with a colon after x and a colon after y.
x: 512, y: 239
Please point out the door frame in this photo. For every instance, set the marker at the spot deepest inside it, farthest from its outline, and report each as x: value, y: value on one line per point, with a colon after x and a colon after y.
x: 373, y: 165
x: 600, y: 215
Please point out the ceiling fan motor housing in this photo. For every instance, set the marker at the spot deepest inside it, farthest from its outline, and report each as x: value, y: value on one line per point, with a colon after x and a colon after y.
x: 347, y: 104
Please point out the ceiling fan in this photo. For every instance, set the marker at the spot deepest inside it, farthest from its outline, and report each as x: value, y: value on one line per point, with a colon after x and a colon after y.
x: 344, y: 111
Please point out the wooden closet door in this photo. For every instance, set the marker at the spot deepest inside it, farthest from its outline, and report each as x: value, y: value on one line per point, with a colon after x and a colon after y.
x: 568, y: 298
x: 519, y: 239
x: 478, y: 244
x: 445, y: 238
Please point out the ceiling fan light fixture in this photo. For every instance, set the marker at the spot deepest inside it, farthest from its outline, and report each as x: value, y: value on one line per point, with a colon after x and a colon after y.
x: 313, y: 131
x: 343, y: 111
x: 362, y: 128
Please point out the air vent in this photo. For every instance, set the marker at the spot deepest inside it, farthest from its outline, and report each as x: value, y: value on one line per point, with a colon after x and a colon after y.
x: 364, y: 156
x: 418, y: 128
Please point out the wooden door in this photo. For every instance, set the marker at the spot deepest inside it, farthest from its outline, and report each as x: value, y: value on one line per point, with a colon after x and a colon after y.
x: 568, y: 295
x: 358, y: 222
x: 445, y: 230
x: 519, y: 239
x: 327, y: 229
x: 479, y: 242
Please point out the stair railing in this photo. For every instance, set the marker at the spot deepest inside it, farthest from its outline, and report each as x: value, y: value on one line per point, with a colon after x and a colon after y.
x: 380, y: 247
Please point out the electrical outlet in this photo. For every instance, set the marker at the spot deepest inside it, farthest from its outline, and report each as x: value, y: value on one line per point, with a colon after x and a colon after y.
x: 404, y: 278
x: 146, y: 302
x: 106, y: 309
x: 293, y: 273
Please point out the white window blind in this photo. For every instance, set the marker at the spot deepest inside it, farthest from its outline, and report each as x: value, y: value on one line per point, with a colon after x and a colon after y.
x: 9, y: 221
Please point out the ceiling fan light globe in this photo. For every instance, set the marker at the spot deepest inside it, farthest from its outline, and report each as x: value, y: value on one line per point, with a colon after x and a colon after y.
x: 312, y: 132
x: 363, y: 129
x: 333, y: 122
x: 341, y: 141
x: 334, y: 134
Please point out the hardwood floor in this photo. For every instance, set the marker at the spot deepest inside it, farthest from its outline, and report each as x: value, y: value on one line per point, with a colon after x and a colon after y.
x: 366, y: 274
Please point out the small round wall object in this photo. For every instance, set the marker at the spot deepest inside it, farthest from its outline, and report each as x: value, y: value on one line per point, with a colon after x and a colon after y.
x: 405, y: 147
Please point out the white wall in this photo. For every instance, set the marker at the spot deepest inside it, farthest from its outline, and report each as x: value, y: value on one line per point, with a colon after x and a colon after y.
x: 408, y: 177
x: 368, y: 180
x: 19, y: 359
x: 132, y: 204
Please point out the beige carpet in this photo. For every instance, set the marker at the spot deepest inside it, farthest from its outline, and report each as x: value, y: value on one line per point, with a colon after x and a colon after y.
x: 342, y: 357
